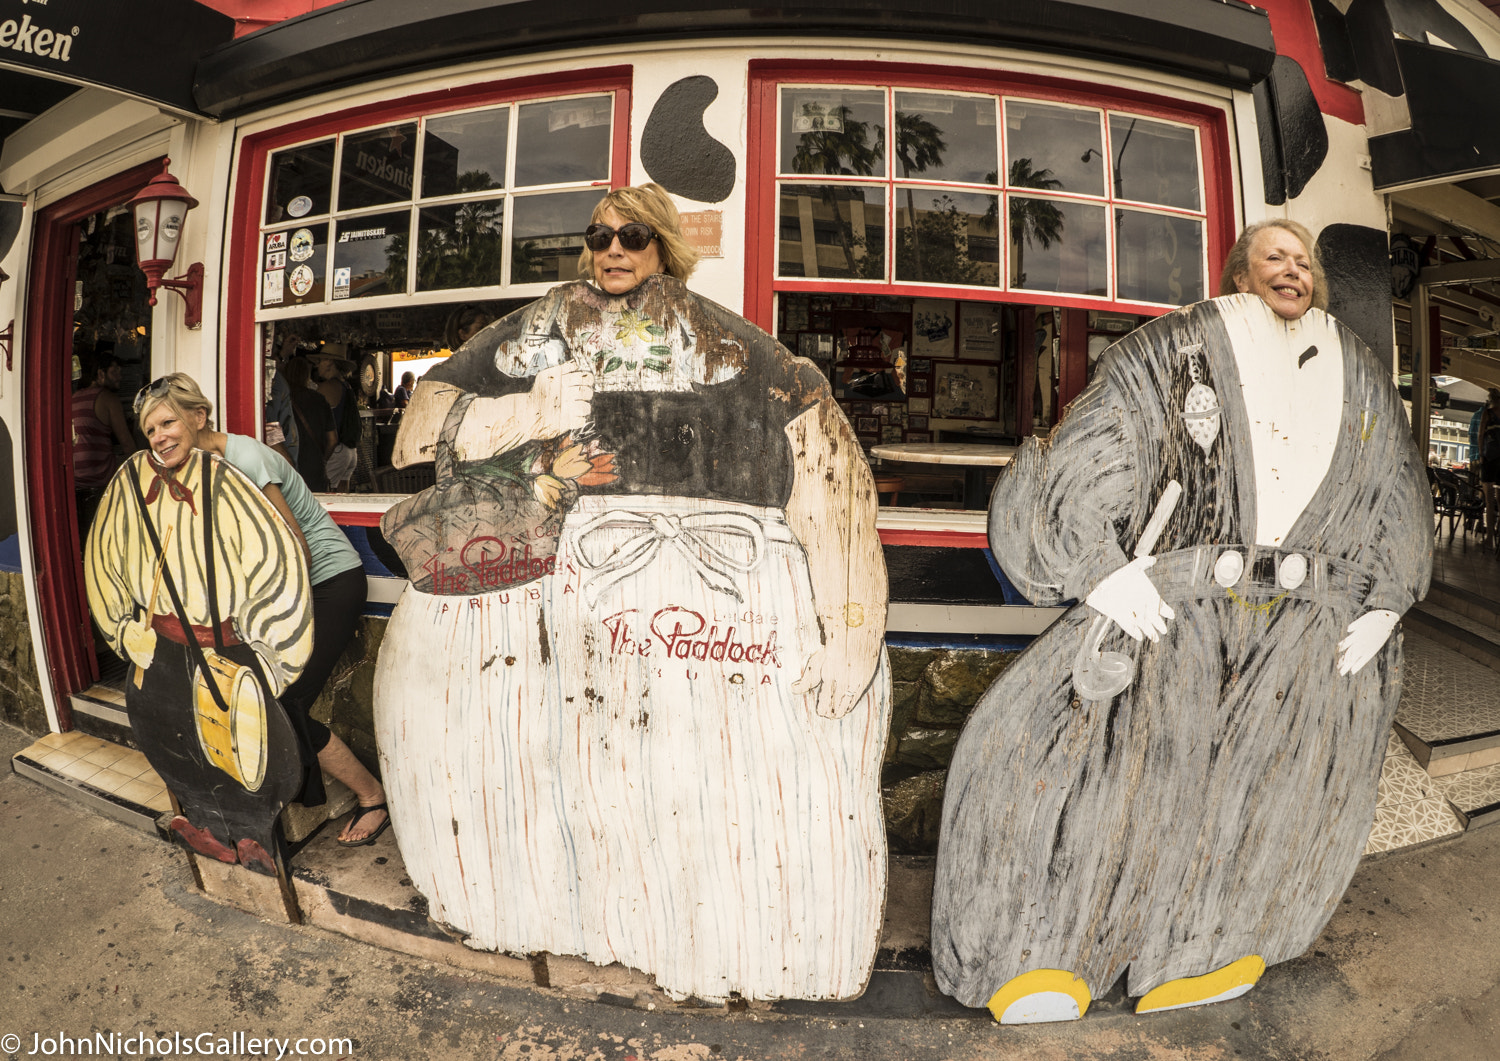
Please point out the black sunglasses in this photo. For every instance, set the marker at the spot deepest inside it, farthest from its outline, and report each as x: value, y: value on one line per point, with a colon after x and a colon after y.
x: 157, y: 388
x: 636, y: 236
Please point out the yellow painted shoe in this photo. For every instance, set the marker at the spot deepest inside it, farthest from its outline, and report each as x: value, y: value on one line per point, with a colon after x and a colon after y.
x: 1039, y: 996
x: 1232, y: 981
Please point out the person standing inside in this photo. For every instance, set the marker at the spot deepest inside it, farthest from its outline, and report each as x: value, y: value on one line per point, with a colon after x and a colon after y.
x: 99, y: 427
x: 343, y: 458
x: 1489, y: 461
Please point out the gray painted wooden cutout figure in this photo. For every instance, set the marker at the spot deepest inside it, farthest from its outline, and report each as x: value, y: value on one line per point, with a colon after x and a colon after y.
x: 1201, y: 820
x: 634, y: 705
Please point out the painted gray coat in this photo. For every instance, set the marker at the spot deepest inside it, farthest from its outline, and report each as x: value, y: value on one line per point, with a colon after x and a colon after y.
x: 1217, y: 807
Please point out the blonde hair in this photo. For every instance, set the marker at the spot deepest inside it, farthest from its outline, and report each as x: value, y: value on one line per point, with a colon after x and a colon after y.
x: 178, y: 391
x: 1237, y: 264
x: 647, y: 203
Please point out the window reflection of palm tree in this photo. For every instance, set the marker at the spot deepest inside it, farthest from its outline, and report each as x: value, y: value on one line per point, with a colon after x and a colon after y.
x: 1032, y: 220
x: 842, y: 147
x: 919, y: 144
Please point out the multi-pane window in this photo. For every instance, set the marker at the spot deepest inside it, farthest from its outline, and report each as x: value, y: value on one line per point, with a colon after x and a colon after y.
x: 491, y: 199
x: 902, y: 186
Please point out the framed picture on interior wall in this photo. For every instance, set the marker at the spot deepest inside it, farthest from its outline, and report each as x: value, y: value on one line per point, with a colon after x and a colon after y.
x: 918, y: 405
x: 919, y: 436
x: 921, y: 366
x: 979, y: 330
x: 868, y: 425
x: 807, y: 345
x: 859, y: 408
x: 921, y: 386
x: 890, y: 433
x: 966, y: 390
x: 917, y: 423
x: 794, y: 315
x: 933, y: 327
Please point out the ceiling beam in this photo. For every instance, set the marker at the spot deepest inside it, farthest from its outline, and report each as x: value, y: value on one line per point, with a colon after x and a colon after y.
x: 1462, y: 272
x: 1452, y: 204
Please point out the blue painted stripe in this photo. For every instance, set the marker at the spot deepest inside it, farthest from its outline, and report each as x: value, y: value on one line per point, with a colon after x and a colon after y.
x: 10, y: 553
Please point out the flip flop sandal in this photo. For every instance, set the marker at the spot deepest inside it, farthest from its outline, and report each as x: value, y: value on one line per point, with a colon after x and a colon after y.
x: 360, y: 812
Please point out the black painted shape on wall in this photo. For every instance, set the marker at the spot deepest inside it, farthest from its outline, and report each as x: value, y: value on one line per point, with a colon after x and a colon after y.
x: 1373, y: 26
x: 10, y: 225
x: 1455, y: 129
x: 678, y: 152
x: 1333, y: 41
x: 1293, y: 139
x: 1414, y: 19
x: 1357, y: 263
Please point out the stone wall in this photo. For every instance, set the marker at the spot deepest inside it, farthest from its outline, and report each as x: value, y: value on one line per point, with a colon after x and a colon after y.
x: 933, y: 691
x: 20, y: 685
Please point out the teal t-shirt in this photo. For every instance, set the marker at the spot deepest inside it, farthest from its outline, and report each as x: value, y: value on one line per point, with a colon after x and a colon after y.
x: 331, y: 552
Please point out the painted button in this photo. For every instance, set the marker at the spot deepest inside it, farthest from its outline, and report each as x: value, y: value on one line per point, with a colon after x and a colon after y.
x: 1228, y: 568
x: 1292, y: 572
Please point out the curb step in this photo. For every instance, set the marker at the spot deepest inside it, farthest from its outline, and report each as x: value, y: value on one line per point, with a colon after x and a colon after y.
x: 1465, y: 602
x: 99, y: 711
x: 110, y: 804
x: 1457, y: 631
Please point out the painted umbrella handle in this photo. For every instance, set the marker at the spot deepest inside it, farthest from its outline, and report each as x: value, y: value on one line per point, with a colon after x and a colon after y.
x: 1101, y: 675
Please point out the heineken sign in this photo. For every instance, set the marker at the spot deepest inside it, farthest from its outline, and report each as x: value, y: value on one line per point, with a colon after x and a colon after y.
x: 151, y: 55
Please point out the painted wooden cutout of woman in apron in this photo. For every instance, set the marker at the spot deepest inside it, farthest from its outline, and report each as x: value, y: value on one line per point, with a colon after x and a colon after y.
x: 634, y: 705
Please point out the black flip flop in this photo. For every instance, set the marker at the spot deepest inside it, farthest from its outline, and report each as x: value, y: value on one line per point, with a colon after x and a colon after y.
x: 360, y: 812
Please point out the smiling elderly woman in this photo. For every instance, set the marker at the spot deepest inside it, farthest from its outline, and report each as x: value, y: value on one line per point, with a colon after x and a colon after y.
x: 634, y: 704
x: 1175, y: 781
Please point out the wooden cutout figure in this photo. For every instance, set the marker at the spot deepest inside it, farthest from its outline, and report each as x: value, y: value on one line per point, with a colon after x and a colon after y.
x: 192, y: 577
x: 634, y: 705
x: 1186, y: 808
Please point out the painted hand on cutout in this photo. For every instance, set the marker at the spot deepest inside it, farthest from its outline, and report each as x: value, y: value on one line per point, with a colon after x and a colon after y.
x: 139, y: 641
x: 1130, y: 598
x: 1366, y: 635
x: 559, y: 401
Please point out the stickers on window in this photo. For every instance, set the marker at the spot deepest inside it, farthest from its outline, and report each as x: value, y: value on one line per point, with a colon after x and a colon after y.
x: 271, y: 288
x: 299, y: 206
x: 340, y: 282
x: 276, y: 241
x: 300, y: 280
x: 302, y: 245
x: 276, y: 260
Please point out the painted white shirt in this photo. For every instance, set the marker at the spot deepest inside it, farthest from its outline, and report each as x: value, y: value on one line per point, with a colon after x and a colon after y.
x: 1294, y: 411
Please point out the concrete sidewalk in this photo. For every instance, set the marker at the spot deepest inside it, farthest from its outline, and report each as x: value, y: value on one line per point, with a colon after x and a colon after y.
x: 102, y: 930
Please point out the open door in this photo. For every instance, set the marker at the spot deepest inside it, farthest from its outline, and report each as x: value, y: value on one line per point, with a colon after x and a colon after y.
x: 83, y: 278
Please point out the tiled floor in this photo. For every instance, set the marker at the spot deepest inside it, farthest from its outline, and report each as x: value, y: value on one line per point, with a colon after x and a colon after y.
x: 1472, y: 790
x: 107, y: 767
x: 1446, y: 695
x: 1409, y: 809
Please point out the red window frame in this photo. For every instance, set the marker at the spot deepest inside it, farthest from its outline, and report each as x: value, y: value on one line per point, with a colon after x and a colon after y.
x: 766, y: 77
x: 242, y: 364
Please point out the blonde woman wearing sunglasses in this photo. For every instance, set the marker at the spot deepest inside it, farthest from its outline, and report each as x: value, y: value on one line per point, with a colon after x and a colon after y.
x: 640, y: 663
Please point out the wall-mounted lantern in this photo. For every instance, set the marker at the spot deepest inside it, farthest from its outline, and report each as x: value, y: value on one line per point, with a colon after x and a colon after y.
x: 160, y: 210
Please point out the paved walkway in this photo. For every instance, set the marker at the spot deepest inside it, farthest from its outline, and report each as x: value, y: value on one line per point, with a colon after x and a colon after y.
x: 102, y: 930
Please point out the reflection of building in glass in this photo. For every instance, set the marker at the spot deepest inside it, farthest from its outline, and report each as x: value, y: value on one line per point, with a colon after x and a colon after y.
x: 440, y: 168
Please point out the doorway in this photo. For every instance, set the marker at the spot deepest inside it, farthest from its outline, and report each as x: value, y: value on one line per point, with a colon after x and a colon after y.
x: 84, y: 283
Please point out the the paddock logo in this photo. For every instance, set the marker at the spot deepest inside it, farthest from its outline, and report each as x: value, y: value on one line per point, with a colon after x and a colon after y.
x: 26, y: 36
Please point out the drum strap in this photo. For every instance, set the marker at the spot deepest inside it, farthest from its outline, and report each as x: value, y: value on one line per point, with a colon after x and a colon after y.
x: 195, y: 651
x: 209, y: 549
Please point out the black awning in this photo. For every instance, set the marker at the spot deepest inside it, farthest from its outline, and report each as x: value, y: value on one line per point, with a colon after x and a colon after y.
x: 147, y: 51
x: 1454, y: 100
x: 1222, y: 41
